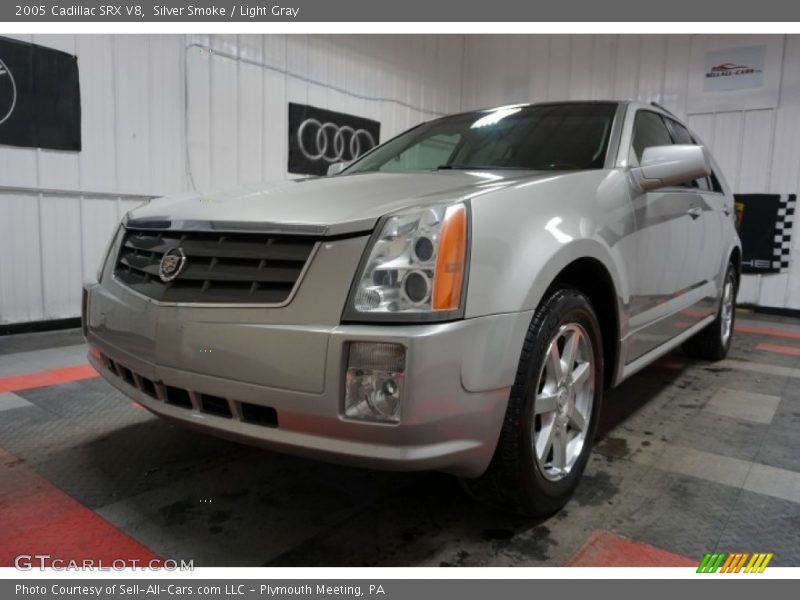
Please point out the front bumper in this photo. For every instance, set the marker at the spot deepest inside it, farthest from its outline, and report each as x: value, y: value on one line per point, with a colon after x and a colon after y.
x: 457, y: 380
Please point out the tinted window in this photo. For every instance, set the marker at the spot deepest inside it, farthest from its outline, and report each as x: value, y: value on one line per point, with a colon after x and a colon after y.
x: 715, y: 184
x: 680, y: 134
x: 435, y: 149
x: 649, y: 130
x: 539, y: 137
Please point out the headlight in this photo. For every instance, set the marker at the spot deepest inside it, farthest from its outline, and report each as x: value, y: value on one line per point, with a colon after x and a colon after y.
x: 415, y: 267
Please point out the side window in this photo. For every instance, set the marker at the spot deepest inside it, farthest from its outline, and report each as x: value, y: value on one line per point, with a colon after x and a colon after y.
x: 715, y: 184
x: 704, y: 184
x: 680, y: 134
x: 649, y: 130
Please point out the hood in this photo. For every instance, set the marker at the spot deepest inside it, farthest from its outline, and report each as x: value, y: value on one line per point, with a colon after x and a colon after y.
x: 322, y: 206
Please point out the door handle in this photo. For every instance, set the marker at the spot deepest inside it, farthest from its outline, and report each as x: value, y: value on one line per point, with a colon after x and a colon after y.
x: 695, y: 212
x: 726, y: 209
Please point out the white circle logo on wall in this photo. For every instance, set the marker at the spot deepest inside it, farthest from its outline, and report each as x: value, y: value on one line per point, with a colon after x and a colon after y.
x: 331, y: 142
x: 8, y: 92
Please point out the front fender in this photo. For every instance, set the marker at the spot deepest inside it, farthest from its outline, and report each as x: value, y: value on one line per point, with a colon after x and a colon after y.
x: 523, y: 238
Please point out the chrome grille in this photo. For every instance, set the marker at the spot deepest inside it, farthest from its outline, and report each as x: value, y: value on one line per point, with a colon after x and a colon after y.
x: 219, y: 268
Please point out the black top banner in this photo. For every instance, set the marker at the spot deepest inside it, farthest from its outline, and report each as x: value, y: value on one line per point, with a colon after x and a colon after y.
x: 402, y: 11
x: 319, y: 138
x: 40, y: 100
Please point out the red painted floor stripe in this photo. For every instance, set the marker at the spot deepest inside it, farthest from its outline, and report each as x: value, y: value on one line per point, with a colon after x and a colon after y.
x: 38, y: 518
x: 15, y: 383
x: 778, y: 349
x: 767, y: 331
x: 605, y: 549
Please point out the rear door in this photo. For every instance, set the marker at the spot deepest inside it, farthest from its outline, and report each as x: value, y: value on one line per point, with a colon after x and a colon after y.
x: 706, y: 254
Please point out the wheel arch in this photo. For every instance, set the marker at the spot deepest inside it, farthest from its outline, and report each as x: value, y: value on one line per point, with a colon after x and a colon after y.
x: 592, y: 278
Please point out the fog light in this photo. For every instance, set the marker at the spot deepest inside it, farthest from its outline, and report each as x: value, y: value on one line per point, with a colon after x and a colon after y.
x: 374, y: 381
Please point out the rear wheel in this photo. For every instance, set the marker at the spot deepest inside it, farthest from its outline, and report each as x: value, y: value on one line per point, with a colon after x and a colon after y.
x: 713, y: 342
x: 552, y: 411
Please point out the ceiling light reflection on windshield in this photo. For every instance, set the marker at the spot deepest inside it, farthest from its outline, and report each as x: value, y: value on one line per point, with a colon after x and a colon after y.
x: 495, y: 116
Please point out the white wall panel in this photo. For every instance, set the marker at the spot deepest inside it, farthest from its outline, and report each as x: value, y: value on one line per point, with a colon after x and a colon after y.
x: 166, y: 127
x: 167, y: 113
x: 224, y: 116
x: 626, y: 75
x: 132, y: 83
x: 652, y: 67
x: 756, y: 151
x: 62, y: 268
x: 580, y: 73
x: 157, y: 108
x: 559, y: 66
x: 198, y: 117
x: 676, y: 73
x: 99, y: 219
x: 20, y: 258
x: 98, y: 105
x: 727, y: 145
x: 604, y: 67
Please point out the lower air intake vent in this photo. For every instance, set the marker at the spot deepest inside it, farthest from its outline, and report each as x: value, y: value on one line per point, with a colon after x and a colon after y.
x: 259, y: 415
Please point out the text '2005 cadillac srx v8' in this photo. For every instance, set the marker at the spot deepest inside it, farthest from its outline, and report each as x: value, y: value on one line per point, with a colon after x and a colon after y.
x: 456, y: 299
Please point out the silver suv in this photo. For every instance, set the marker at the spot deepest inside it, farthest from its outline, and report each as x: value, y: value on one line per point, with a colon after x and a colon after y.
x: 456, y: 299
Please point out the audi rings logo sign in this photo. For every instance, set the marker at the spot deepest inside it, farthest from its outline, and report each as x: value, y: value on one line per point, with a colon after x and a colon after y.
x: 8, y: 92
x: 332, y: 142
x: 319, y: 138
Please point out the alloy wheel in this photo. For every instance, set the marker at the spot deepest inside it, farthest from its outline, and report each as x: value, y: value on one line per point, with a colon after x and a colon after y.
x: 726, y: 313
x: 562, y: 407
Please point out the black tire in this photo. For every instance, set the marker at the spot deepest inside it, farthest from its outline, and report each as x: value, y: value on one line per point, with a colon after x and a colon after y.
x: 711, y: 343
x: 515, y: 479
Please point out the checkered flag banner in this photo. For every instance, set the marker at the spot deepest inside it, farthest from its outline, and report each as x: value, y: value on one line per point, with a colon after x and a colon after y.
x: 783, y: 232
x: 765, y: 227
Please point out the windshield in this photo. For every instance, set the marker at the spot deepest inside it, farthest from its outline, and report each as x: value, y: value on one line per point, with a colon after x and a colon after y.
x: 549, y: 137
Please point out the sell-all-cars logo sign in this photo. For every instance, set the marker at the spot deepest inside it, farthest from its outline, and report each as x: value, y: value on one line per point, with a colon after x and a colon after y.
x: 731, y: 70
x: 736, y: 68
x: 319, y: 138
x: 8, y: 92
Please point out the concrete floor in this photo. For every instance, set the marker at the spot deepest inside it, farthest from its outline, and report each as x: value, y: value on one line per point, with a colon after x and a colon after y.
x: 692, y: 458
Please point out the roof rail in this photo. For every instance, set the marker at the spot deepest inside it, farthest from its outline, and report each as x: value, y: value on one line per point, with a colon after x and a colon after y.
x: 666, y: 110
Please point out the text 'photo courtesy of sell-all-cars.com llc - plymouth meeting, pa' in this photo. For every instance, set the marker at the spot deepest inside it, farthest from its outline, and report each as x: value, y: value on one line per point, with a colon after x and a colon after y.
x: 456, y: 299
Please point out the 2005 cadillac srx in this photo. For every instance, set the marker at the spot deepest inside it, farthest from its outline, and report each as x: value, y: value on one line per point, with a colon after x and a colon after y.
x: 456, y: 299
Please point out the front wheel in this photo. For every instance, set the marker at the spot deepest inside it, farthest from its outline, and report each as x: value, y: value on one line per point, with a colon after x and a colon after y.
x: 713, y: 342
x: 552, y: 411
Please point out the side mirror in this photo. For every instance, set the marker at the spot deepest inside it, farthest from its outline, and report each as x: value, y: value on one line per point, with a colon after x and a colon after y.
x: 663, y: 166
x: 336, y: 168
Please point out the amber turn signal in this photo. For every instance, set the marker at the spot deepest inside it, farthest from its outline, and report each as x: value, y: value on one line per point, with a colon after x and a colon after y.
x: 450, y: 263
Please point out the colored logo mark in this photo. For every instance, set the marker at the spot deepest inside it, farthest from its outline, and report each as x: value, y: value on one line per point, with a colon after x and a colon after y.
x: 735, y: 563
